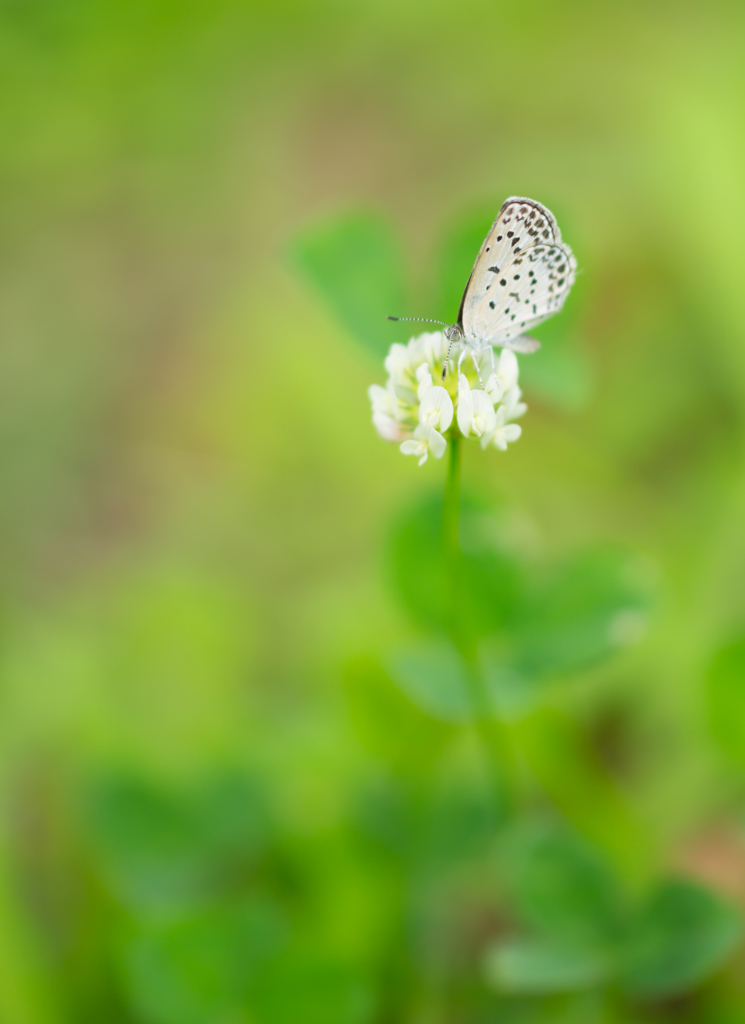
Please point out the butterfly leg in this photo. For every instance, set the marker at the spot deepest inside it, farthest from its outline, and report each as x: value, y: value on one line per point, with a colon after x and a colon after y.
x: 461, y: 357
x: 478, y: 368
x: 497, y: 388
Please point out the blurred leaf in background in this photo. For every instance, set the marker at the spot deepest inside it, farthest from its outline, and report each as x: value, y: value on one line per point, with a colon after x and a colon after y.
x: 585, y: 931
x: 165, y: 851
x: 681, y: 936
x: 203, y: 967
x: 533, y: 626
x: 419, y: 571
x: 587, y: 609
x: 434, y: 677
x: 355, y: 265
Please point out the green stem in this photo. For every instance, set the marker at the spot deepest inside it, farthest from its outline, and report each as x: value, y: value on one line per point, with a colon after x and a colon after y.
x: 491, y: 733
x: 450, y: 521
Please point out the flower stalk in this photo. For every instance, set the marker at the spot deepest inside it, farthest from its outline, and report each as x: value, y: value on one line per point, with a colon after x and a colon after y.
x: 492, y: 734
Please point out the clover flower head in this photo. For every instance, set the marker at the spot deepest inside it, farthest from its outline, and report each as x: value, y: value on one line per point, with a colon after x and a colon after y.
x: 420, y: 409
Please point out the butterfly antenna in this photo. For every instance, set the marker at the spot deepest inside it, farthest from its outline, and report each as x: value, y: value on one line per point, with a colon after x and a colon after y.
x: 424, y: 320
x: 419, y: 319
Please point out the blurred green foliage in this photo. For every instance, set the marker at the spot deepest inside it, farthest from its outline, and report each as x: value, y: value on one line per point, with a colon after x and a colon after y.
x: 356, y: 266
x: 240, y: 779
x: 584, y: 935
x: 726, y: 699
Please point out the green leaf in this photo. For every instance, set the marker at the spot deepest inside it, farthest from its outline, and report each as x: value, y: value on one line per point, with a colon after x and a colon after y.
x: 559, y: 756
x: 563, y: 890
x: 725, y: 691
x: 594, y: 604
x: 417, y: 564
x: 387, y: 723
x: 355, y: 265
x: 459, y: 822
x: 202, y: 968
x: 512, y: 692
x: 681, y: 937
x: 533, y: 967
x: 434, y: 678
x: 382, y: 813
x: 162, y: 850
x: 490, y: 580
x: 307, y: 988
x: 587, y: 609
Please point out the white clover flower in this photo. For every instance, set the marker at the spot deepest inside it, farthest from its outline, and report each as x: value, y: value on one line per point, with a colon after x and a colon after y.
x: 420, y: 409
x: 385, y: 410
x: 504, y: 376
x: 507, y: 368
x: 397, y: 361
x: 436, y: 409
x: 475, y: 410
x: 512, y: 405
x: 425, y: 380
x: 388, y: 428
x: 434, y: 347
x: 502, y: 433
x: 426, y: 439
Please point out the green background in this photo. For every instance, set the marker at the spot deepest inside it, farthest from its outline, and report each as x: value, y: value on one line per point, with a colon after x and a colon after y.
x: 237, y: 782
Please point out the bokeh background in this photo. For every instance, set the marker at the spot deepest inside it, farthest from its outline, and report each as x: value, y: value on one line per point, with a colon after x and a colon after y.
x: 221, y: 801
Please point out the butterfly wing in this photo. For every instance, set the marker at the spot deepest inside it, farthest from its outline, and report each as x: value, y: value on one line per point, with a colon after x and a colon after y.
x: 522, y: 344
x: 522, y: 275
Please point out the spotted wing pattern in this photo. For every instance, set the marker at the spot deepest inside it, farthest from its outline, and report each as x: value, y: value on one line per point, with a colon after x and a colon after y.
x: 522, y: 275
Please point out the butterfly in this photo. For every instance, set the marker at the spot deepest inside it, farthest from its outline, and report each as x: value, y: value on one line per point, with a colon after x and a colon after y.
x: 522, y: 275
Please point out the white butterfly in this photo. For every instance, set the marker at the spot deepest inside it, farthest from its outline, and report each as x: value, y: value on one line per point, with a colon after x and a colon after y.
x: 522, y: 275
